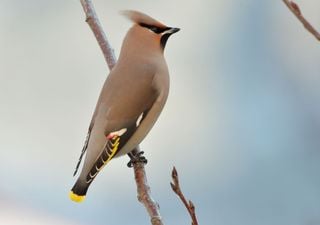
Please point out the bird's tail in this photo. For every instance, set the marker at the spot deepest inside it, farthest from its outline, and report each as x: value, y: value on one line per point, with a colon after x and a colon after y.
x: 79, y: 191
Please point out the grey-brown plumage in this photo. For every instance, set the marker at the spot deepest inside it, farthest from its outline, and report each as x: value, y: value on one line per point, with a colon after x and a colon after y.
x: 131, y: 99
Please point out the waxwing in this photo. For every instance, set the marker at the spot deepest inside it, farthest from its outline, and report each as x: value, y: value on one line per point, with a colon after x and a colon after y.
x: 130, y: 101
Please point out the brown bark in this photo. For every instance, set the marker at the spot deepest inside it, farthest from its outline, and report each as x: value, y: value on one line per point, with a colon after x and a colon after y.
x: 94, y: 23
x: 175, y: 185
x: 295, y: 9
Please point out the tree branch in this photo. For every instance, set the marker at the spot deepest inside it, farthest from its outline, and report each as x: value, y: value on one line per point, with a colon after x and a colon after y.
x: 144, y: 193
x: 175, y: 185
x: 94, y: 23
x: 294, y: 8
x: 143, y: 189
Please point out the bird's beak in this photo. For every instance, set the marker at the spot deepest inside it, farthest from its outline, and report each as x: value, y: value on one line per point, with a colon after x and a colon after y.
x: 172, y: 30
x: 166, y: 34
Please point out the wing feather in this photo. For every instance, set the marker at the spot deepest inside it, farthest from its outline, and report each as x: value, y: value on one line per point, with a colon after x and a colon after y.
x: 84, y: 149
x: 112, y: 148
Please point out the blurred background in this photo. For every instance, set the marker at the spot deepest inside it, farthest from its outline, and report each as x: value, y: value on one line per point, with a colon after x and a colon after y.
x: 241, y: 125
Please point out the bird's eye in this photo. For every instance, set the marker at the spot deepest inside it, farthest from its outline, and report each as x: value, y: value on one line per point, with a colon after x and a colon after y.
x: 155, y: 29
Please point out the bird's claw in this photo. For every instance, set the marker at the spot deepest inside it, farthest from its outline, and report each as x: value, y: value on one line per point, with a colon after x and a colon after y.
x: 138, y: 158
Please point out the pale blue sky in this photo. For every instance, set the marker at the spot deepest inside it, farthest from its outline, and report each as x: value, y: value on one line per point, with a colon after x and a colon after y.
x: 241, y: 125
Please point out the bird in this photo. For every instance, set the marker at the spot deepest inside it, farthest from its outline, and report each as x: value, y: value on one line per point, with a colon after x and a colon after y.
x: 130, y: 101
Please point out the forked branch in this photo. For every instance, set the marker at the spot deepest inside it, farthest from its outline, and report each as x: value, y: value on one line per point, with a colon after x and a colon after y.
x: 295, y: 9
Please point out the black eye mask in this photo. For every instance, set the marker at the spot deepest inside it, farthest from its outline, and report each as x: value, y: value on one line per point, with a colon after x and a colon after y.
x: 157, y: 30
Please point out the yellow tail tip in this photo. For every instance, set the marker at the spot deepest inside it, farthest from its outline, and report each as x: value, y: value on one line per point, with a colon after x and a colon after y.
x: 76, y: 198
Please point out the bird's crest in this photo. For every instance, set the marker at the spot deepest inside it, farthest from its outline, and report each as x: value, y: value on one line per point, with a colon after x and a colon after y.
x: 141, y: 18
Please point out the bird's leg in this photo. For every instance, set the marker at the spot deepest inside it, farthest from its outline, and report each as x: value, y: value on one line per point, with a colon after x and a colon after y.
x: 136, y: 157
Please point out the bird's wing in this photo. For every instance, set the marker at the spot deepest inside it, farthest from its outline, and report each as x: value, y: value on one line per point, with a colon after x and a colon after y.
x: 114, y: 143
x: 123, y: 107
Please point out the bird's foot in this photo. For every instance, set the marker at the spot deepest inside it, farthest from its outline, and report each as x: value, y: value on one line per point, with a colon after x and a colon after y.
x: 136, y: 158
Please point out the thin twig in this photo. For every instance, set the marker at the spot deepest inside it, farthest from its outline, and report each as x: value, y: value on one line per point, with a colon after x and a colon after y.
x: 175, y: 185
x: 294, y: 8
x: 143, y: 189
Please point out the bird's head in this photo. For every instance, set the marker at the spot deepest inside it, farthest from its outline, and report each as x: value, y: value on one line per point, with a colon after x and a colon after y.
x: 150, y: 28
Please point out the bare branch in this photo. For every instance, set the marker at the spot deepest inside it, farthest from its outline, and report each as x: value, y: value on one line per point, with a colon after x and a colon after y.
x: 144, y: 193
x: 175, y: 185
x: 294, y: 8
x: 94, y: 23
x: 143, y: 189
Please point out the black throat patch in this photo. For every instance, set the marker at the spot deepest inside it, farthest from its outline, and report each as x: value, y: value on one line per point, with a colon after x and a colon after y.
x: 164, y: 39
